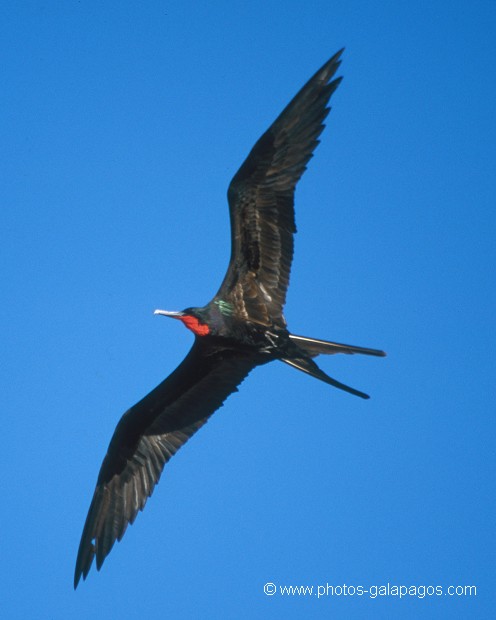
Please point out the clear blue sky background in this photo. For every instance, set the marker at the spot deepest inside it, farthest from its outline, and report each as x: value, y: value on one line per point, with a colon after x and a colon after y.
x: 122, y: 124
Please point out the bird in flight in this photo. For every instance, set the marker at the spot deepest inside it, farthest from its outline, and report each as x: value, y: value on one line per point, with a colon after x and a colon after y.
x: 241, y: 328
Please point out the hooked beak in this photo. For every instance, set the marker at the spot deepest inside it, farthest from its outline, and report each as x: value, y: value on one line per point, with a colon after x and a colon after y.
x: 172, y: 313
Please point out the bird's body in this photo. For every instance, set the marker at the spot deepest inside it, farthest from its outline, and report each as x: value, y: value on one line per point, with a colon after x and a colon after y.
x: 241, y: 328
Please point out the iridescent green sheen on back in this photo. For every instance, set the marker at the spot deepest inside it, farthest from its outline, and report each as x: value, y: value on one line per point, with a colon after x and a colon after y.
x: 225, y: 307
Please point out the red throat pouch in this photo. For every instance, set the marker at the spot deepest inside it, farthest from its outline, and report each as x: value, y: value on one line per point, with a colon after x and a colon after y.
x: 192, y: 323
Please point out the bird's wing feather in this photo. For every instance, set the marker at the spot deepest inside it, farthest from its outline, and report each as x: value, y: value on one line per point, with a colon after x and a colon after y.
x: 261, y: 202
x: 147, y: 436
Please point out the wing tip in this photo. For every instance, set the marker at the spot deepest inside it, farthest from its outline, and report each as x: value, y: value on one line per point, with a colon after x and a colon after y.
x: 84, y: 562
x: 330, y: 67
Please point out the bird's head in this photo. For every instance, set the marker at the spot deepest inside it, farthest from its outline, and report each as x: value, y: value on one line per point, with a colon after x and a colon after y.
x: 193, y: 318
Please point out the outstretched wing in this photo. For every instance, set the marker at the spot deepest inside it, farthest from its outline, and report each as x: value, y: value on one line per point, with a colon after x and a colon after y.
x: 147, y: 436
x: 261, y: 202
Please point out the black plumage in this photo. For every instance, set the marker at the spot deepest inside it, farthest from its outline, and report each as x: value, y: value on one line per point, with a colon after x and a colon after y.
x: 241, y: 328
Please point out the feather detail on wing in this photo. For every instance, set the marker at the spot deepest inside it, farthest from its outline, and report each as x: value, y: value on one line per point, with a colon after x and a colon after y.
x: 147, y: 436
x: 261, y: 202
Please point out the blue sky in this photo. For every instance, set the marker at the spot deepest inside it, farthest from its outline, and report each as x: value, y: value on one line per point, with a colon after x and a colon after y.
x: 123, y: 123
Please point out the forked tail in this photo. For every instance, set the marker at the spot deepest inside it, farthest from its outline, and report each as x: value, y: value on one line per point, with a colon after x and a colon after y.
x: 312, y: 347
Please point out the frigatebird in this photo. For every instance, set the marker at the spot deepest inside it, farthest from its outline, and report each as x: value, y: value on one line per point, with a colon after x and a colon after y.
x: 241, y: 328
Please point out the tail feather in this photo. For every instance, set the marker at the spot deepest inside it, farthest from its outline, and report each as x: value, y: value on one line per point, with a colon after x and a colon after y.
x: 310, y: 367
x: 315, y: 347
